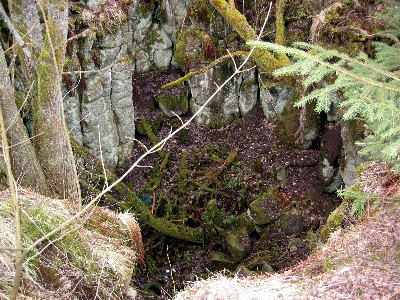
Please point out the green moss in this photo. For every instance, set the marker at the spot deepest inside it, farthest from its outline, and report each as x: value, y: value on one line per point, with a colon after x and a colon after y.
x: 123, y: 59
x: 201, y: 11
x: 334, y: 221
x: 153, y: 138
x: 279, y: 23
x: 248, y: 84
x: 180, y: 51
x: 172, y: 102
x: 152, y: 37
x: 331, y: 16
x: 288, y: 124
x: 212, y: 215
x: 68, y: 63
x: 327, y: 265
x: 356, y: 130
x: 262, y: 209
x: 159, y: 14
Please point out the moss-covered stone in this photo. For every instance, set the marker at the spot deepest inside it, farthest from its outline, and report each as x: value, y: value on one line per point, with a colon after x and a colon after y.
x: 221, y: 261
x: 171, y: 104
x: 334, y: 221
x: 290, y: 224
x: 264, y: 209
x: 238, y: 243
x: 245, y: 221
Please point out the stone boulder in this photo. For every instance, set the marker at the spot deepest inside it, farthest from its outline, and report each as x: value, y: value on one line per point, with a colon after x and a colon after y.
x: 238, y: 244
x: 264, y: 210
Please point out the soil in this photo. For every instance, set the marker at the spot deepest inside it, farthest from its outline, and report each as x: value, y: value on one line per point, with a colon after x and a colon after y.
x: 260, y: 156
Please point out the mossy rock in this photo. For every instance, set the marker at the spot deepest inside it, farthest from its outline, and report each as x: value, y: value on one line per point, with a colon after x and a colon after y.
x: 299, y: 127
x: 238, y: 244
x: 245, y: 221
x: 187, y: 47
x: 265, y: 209
x: 334, y: 221
x: 221, y: 261
x: 171, y: 104
x: 291, y: 224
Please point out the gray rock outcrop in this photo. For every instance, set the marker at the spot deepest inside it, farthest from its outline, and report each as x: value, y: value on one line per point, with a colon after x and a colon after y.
x: 236, y: 99
x: 100, y: 115
x: 274, y: 100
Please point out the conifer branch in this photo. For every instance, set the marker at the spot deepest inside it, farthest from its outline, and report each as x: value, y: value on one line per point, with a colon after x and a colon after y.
x: 314, y: 58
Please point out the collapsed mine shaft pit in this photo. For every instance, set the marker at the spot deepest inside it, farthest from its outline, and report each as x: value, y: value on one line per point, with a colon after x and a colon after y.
x: 283, y: 181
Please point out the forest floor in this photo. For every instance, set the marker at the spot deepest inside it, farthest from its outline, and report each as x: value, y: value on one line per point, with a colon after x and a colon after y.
x: 361, y: 261
x: 260, y: 156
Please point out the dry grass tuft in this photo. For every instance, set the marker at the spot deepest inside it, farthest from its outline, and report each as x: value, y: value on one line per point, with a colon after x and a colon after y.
x: 92, y: 258
x: 220, y: 287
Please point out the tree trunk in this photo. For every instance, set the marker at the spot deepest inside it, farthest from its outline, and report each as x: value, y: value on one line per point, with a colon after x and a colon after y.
x: 25, y: 166
x: 48, y: 44
x: 52, y: 143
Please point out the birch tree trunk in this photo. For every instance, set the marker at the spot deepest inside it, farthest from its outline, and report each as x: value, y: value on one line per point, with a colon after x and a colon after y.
x: 25, y: 166
x: 48, y: 44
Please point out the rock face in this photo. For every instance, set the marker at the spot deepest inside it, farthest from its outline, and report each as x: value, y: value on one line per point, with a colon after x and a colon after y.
x: 351, y: 131
x: 273, y: 101
x: 153, y: 36
x: 99, y: 104
x: 101, y: 115
x: 236, y: 99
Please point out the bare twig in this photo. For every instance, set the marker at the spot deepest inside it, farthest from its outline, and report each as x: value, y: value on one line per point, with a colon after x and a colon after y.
x: 101, y: 158
x: 15, y: 33
x: 23, y: 103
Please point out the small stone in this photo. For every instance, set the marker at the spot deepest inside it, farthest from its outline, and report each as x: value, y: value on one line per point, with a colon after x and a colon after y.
x: 220, y: 261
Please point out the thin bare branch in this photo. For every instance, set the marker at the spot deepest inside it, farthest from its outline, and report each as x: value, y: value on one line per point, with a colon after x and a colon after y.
x: 177, y: 116
x: 11, y: 183
x: 233, y: 59
x: 101, y: 158
x: 19, y: 111
x: 141, y: 144
x: 15, y: 33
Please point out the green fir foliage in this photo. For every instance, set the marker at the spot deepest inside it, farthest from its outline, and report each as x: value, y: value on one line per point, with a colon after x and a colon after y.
x: 370, y: 88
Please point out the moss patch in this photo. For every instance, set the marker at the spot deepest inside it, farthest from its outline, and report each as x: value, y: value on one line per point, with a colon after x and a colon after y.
x: 334, y: 221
